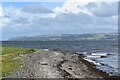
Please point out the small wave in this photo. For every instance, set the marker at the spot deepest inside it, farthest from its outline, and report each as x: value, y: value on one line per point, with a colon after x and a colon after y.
x: 84, y: 53
x: 46, y: 49
x: 99, y: 54
x: 91, y: 61
x: 94, y: 57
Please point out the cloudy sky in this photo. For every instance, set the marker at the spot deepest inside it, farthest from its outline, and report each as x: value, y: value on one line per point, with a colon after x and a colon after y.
x: 69, y: 17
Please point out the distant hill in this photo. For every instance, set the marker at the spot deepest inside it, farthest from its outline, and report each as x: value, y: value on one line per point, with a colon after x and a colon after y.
x: 68, y: 37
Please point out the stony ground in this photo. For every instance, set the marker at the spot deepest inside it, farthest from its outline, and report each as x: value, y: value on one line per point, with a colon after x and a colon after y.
x: 52, y: 64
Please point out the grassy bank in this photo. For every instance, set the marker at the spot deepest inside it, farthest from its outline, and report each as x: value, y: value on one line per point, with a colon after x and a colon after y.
x: 11, y: 58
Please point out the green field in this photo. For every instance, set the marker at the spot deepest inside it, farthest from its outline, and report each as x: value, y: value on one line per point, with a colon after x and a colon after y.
x: 10, y: 58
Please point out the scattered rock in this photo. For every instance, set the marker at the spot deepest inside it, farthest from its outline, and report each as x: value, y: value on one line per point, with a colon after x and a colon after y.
x: 61, y: 65
x: 44, y: 63
x: 70, y: 68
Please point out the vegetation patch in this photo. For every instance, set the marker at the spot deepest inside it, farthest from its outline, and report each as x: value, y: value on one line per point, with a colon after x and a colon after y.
x: 11, y: 58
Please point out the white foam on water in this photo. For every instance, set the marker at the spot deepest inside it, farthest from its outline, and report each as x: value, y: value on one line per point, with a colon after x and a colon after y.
x: 110, y: 61
x: 46, y: 49
x: 93, y: 57
x: 84, y: 53
x: 99, y: 54
x: 91, y: 61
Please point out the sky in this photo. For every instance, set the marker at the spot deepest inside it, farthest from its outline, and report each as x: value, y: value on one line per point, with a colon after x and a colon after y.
x: 69, y: 17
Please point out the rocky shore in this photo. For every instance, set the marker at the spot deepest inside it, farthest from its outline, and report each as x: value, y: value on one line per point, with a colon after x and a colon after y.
x: 56, y: 64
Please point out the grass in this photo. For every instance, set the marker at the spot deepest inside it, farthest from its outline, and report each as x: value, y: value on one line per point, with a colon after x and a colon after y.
x: 11, y: 58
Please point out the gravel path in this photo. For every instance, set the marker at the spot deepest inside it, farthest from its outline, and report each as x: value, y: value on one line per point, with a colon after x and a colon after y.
x: 52, y: 64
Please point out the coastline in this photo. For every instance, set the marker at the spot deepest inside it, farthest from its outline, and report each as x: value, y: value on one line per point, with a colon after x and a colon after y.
x: 92, y: 67
x: 64, y: 58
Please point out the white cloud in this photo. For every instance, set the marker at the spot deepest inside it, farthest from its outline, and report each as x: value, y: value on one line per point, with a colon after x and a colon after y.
x: 5, y: 22
x: 52, y: 15
x: 1, y: 14
x: 1, y: 11
x: 72, y: 17
x: 79, y: 6
x: 17, y: 16
x: 14, y: 15
x: 73, y: 6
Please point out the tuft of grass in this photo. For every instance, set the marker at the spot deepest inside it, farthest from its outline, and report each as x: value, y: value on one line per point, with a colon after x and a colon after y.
x: 9, y: 65
x: 11, y: 60
x: 13, y: 50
